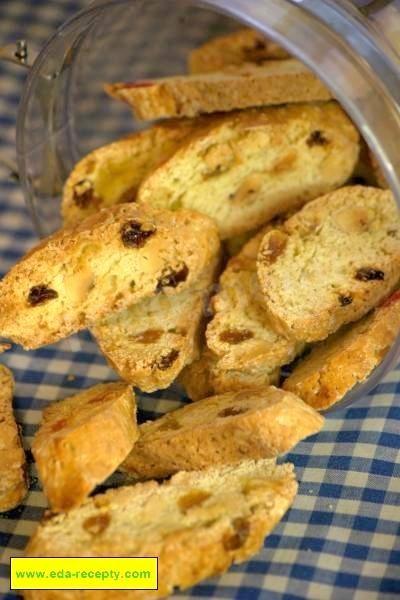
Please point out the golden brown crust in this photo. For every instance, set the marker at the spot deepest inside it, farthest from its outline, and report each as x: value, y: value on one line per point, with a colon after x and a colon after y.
x: 275, y: 82
x: 224, y: 429
x: 150, y: 343
x: 335, y: 366
x: 112, y: 174
x: 331, y: 262
x: 239, y: 506
x: 242, y: 46
x: 109, y: 261
x: 82, y: 440
x: 240, y: 333
x: 204, y: 377
x: 244, y: 168
x: 13, y: 481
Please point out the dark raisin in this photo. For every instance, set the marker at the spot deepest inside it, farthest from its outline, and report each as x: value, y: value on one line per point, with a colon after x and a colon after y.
x: 317, y: 138
x: 237, y: 540
x: 369, y: 274
x: 39, y: 294
x: 133, y: 236
x: 232, y: 411
x: 259, y: 45
x: 164, y: 362
x: 345, y: 300
x: 171, y: 278
x: 83, y: 194
x: 392, y: 232
x: 236, y: 336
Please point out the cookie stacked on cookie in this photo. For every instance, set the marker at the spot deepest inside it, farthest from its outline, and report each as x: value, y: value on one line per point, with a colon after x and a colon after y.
x: 226, y: 249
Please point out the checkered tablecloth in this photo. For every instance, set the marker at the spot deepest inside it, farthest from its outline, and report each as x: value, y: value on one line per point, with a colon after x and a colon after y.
x: 341, y: 539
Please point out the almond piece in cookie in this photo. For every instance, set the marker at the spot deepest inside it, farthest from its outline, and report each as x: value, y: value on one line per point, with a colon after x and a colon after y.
x: 104, y: 264
x: 331, y: 262
x: 245, y: 168
x: 82, y: 440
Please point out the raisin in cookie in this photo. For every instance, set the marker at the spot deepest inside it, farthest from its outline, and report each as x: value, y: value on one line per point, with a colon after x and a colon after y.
x: 346, y: 358
x: 197, y: 524
x: 332, y: 262
x: 245, y: 168
x: 104, y: 264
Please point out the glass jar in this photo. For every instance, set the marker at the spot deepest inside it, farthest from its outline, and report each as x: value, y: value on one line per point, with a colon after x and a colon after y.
x: 64, y: 112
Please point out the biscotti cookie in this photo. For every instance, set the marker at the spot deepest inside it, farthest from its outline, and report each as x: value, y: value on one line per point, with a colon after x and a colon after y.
x: 233, y: 49
x: 245, y: 168
x: 112, y: 174
x: 275, y: 82
x: 106, y: 263
x: 335, y: 366
x: 222, y: 429
x: 197, y: 524
x: 332, y: 262
x: 13, y: 481
x: 204, y: 377
x: 82, y: 440
x: 149, y: 343
x: 240, y: 333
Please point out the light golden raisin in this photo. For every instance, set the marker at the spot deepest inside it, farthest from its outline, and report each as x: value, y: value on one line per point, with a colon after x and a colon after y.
x: 232, y: 411
x: 97, y: 524
x: 234, y: 541
x: 276, y: 244
x: 169, y: 424
x: 149, y: 336
x: 192, y: 498
x: 236, y: 336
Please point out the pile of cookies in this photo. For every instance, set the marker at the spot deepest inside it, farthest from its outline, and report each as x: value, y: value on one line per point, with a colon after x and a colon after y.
x: 229, y: 247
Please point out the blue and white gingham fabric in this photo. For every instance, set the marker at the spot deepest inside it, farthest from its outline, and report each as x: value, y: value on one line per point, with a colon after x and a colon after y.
x: 341, y: 539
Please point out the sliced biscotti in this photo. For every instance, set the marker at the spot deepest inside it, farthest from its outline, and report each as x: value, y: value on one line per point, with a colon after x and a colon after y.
x: 106, y: 263
x: 223, y: 429
x: 82, y: 440
x: 204, y: 377
x: 245, y: 168
x: 149, y: 343
x: 112, y: 174
x: 13, y: 481
x: 346, y: 358
x: 234, y: 49
x: 240, y: 333
x: 332, y: 262
x: 275, y: 82
x: 197, y: 524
